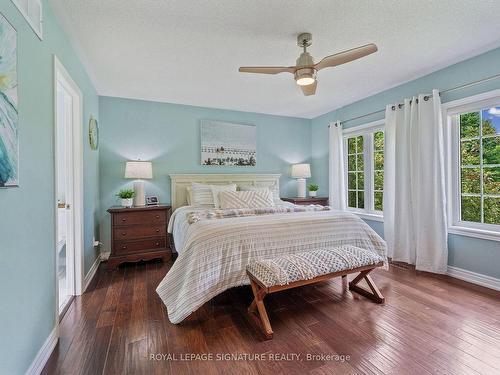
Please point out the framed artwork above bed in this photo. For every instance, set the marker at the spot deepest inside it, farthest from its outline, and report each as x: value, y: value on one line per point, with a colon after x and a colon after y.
x: 228, y: 144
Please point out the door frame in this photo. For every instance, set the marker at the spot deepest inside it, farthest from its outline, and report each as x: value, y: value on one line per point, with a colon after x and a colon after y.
x: 61, y: 74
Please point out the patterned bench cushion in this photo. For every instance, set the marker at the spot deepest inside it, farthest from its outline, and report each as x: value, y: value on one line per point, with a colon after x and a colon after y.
x: 310, y: 264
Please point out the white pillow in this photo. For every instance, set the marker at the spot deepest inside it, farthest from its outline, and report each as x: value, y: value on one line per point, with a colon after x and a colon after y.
x: 275, y: 192
x: 216, y: 189
x: 202, y: 195
x: 246, y: 199
x: 189, y: 195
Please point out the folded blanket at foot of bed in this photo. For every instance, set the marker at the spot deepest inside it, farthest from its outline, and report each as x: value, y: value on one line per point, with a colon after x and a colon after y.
x: 194, y: 217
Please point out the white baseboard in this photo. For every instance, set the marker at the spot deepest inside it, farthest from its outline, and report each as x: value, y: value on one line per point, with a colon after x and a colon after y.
x: 44, y: 353
x: 90, y: 275
x: 46, y: 350
x: 474, y: 278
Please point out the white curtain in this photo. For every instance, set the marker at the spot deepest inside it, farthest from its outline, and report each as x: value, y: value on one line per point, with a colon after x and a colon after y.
x: 336, y: 181
x: 415, y: 226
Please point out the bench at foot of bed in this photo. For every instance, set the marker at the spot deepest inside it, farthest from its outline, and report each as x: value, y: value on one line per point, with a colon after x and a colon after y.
x: 291, y: 271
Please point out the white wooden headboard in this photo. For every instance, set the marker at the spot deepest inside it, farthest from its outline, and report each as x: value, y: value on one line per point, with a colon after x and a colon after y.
x: 179, y: 182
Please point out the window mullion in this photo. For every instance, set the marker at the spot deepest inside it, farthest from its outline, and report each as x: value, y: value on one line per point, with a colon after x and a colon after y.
x: 346, y: 171
x: 368, y: 170
x: 481, y: 187
x: 456, y: 163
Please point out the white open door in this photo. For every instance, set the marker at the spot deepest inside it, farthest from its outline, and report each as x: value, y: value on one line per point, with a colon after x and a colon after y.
x: 69, y: 198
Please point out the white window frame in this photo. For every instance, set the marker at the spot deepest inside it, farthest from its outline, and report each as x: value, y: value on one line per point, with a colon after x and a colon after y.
x: 452, y: 137
x: 36, y: 25
x: 368, y: 212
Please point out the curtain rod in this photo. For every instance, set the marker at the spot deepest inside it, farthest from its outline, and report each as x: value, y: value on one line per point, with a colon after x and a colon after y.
x: 428, y: 96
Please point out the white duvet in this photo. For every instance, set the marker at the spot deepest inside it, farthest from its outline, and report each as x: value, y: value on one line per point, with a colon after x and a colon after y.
x: 213, y: 253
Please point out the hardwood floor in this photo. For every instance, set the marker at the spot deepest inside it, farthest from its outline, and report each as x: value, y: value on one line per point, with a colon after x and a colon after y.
x: 429, y: 324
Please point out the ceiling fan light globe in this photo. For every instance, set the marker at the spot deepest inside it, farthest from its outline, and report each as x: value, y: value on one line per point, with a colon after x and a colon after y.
x: 305, y: 76
x: 305, y: 81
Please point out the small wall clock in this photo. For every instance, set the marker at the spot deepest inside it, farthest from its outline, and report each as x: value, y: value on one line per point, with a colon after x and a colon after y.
x: 93, y: 133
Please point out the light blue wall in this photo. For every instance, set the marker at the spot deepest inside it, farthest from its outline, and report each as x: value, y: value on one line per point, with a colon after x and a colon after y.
x: 27, y: 245
x: 169, y: 135
x: 476, y: 255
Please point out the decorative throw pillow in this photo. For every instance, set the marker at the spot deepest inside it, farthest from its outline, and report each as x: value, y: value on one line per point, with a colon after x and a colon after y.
x: 275, y: 192
x: 246, y: 199
x: 202, y: 195
x: 216, y: 189
x: 189, y: 195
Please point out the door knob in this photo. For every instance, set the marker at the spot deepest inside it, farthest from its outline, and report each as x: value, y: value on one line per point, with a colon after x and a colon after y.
x: 63, y: 205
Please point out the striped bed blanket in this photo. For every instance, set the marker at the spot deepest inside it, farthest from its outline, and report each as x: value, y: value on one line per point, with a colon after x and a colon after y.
x: 213, y: 254
x: 194, y: 217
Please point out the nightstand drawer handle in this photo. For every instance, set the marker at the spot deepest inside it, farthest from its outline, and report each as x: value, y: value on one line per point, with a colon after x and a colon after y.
x: 123, y: 219
x: 157, y: 216
x: 124, y: 233
x: 157, y: 231
x: 124, y: 246
x: 157, y: 244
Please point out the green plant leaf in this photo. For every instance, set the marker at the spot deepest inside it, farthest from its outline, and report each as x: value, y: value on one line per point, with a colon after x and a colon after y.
x: 126, y: 193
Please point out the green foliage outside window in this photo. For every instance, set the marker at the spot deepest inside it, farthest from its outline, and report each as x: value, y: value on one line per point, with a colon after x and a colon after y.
x: 471, y: 181
x: 469, y: 125
x: 492, y: 210
x: 470, y: 152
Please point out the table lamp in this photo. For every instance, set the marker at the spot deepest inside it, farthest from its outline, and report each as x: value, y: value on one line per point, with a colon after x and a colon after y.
x: 301, y: 172
x: 139, y: 170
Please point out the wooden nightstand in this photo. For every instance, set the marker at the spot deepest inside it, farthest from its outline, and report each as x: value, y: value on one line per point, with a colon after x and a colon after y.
x: 323, y: 201
x: 139, y: 233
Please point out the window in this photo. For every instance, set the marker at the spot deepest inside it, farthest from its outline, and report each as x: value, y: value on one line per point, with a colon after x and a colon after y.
x: 364, y: 158
x: 474, y: 145
x: 480, y: 166
x: 355, y: 172
x: 32, y: 12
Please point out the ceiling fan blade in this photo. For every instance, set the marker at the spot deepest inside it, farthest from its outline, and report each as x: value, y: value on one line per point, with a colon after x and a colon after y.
x: 346, y: 56
x: 267, y: 69
x: 309, y: 89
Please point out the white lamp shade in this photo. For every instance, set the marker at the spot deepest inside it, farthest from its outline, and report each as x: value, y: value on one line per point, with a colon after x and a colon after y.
x: 138, y: 169
x: 301, y: 171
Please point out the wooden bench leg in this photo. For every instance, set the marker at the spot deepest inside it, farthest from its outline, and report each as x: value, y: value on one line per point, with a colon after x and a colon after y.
x: 374, y: 294
x: 345, y: 281
x: 258, y: 304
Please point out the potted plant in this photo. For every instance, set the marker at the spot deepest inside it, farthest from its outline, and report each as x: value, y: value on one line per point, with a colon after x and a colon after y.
x: 313, y: 190
x: 127, y: 197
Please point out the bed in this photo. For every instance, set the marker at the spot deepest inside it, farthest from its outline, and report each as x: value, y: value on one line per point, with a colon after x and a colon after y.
x: 213, y: 253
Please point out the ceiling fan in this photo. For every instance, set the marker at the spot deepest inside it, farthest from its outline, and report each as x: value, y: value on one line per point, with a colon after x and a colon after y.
x: 305, y: 69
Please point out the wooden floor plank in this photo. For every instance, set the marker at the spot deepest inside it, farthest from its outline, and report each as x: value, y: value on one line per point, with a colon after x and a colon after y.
x: 428, y: 325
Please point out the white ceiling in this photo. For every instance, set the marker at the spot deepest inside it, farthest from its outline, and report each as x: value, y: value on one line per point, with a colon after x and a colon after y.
x: 189, y: 51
